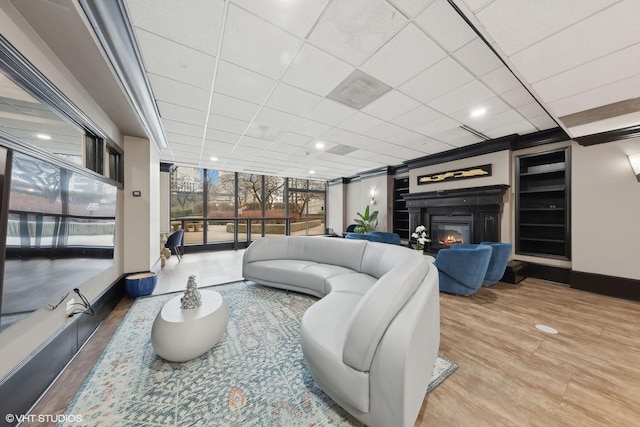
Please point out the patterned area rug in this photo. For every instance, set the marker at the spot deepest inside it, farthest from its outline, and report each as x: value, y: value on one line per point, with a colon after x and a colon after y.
x: 256, y: 374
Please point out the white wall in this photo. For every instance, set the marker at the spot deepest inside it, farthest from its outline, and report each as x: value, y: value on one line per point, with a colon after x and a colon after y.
x: 501, y: 173
x: 20, y: 340
x: 358, y: 196
x: 605, y: 205
x: 142, y: 225
x: 335, y: 208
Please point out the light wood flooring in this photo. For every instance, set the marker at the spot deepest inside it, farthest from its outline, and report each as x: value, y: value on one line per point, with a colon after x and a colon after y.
x: 510, y: 373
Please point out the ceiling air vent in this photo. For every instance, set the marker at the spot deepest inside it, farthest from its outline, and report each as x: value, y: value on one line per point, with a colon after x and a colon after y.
x: 358, y: 90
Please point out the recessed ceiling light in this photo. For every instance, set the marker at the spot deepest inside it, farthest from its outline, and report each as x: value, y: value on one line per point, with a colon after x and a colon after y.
x: 319, y: 145
x: 478, y: 112
x: 43, y: 136
x: 312, y: 172
x: 213, y: 159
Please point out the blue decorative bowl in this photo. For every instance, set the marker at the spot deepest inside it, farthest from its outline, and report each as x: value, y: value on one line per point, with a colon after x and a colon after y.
x: 141, y: 284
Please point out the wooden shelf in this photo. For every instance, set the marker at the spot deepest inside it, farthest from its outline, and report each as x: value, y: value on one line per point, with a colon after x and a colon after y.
x: 400, y: 211
x: 542, y: 204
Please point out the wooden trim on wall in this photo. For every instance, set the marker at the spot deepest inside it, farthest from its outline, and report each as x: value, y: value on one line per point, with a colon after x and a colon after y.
x: 548, y: 272
x: 613, y: 286
x: 610, y: 136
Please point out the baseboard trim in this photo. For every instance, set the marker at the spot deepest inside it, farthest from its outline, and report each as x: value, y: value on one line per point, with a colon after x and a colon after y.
x: 548, y: 272
x: 22, y: 388
x: 613, y: 286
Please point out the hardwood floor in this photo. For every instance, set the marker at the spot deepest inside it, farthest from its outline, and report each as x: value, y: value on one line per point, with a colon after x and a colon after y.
x: 510, y: 373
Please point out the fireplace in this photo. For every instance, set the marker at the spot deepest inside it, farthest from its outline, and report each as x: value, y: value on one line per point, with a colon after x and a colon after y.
x: 466, y: 215
x: 450, y: 230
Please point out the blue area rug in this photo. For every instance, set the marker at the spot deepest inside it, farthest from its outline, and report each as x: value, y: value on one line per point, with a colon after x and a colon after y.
x: 255, y: 375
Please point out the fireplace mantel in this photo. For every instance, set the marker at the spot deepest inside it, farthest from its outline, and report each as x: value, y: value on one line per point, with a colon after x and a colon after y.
x: 484, y: 204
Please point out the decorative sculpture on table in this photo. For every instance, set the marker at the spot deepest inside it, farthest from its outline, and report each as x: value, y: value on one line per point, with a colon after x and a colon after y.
x: 191, y: 298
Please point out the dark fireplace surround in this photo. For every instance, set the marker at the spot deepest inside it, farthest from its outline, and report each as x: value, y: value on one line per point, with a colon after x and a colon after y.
x: 478, y: 208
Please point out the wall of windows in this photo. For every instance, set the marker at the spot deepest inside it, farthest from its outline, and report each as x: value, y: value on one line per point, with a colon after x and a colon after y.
x: 216, y: 207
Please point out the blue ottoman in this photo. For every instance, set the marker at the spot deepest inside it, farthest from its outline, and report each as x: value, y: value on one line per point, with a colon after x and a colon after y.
x: 141, y: 284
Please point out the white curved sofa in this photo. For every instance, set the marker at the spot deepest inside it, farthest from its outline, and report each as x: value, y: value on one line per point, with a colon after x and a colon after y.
x: 372, y: 339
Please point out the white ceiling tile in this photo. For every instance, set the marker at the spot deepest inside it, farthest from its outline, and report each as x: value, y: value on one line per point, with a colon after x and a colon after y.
x: 469, y: 96
x: 543, y: 122
x: 241, y: 83
x: 533, y: 109
x: 235, y: 108
x: 292, y: 100
x: 608, y: 31
x: 257, y: 45
x: 182, y: 128
x: 409, y: 139
x: 179, y: 93
x: 390, y: 105
x: 403, y: 57
x: 184, y: 144
x: 433, y: 146
x: 416, y: 117
x: 517, y: 97
x: 522, y: 127
x: 274, y: 119
x: 458, y: 137
x: 443, y: 23
x: 316, y: 71
x: 384, y: 131
x: 227, y: 124
x: 330, y: 112
x: 360, y: 122
x: 248, y: 141
x: 492, y: 106
x: 496, y: 121
x: 500, y: 80
x: 296, y: 17
x: 518, y: 24
x: 477, y: 58
x: 309, y: 128
x: 602, y: 71
x: 213, y: 148
x: 477, y: 5
x: 169, y: 59
x: 181, y: 114
x: 443, y: 77
x: 337, y: 135
x: 410, y: 7
x: 354, y: 29
x: 197, y: 26
x: 215, y: 135
x: 437, y: 126
x: 294, y: 139
x: 603, y: 95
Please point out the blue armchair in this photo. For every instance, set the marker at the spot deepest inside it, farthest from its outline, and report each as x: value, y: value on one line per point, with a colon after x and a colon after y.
x: 385, y: 237
x: 462, y: 268
x: 498, y: 263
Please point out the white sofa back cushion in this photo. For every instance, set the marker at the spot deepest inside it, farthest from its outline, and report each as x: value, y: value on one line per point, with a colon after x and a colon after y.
x: 378, y: 307
x: 323, y: 250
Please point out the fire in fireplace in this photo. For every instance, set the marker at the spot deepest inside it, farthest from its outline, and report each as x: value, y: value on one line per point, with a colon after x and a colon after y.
x: 450, y: 230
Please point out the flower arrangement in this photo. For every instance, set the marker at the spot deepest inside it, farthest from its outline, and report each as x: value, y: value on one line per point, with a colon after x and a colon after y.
x: 421, y: 237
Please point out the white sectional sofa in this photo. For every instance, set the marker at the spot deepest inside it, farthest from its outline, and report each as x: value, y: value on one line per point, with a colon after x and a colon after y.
x: 372, y: 339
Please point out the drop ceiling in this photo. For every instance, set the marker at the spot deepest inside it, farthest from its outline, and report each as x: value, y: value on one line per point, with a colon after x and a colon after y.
x: 249, y: 83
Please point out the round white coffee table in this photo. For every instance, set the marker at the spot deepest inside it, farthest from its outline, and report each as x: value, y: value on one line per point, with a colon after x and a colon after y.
x: 180, y: 334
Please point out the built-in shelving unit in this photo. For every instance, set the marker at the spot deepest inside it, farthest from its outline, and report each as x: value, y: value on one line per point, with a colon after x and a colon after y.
x: 400, y: 212
x: 543, y: 204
